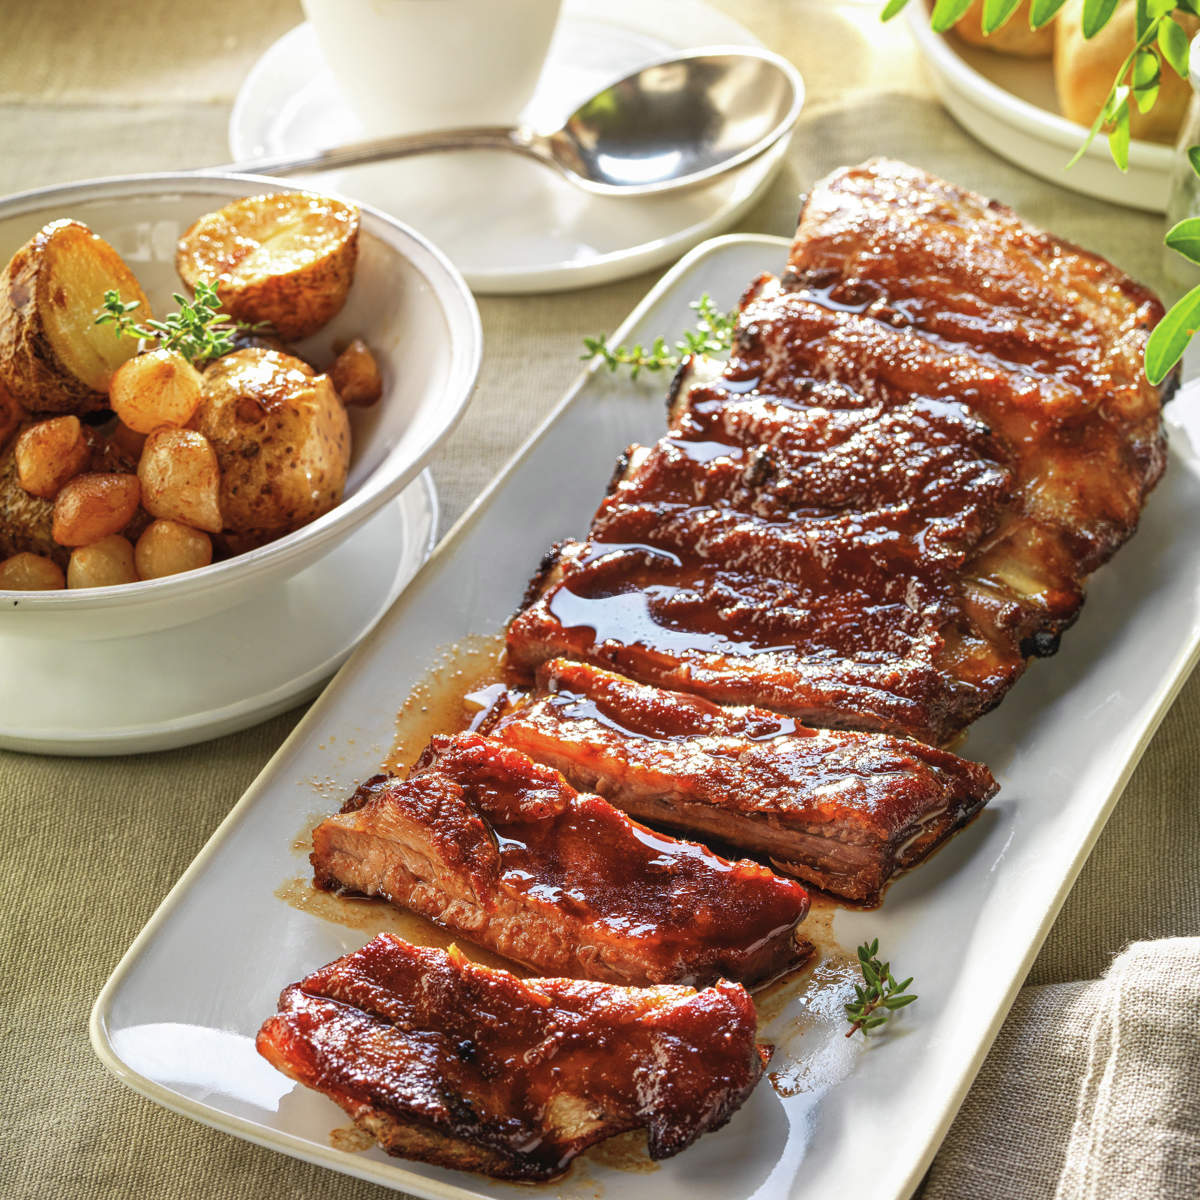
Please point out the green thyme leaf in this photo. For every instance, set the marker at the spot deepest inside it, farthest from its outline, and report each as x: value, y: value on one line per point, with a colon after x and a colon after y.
x: 199, y: 331
x: 1171, y: 336
x: 712, y: 334
x: 947, y: 12
x: 1118, y: 137
x: 880, y: 996
x: 997, y: 12
x: 1174, y: 44
x: 894, y: 7
x: 1185, y: 238
x: 1041, y: 12
x: 1096, y: 14
x: 1145, y: 79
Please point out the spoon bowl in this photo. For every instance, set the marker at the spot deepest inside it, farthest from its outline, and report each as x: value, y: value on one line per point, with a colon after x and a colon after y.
x: 674, y: 124
x: 680, y: 123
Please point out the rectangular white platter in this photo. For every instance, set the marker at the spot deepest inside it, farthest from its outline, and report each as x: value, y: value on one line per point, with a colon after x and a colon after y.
x: 177, y: 1019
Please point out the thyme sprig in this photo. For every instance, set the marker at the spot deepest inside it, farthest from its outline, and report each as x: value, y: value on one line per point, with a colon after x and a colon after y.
x: 199, y: 330
x: 713, y: 334
x: 880, y: 997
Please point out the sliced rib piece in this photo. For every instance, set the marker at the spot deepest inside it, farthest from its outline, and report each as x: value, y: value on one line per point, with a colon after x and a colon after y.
x: 929, y: 434
x: 491, y: 844
x: 841, y: 810
x: 464, y: 1066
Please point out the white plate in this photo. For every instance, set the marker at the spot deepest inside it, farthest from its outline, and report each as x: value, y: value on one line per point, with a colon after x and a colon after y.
x: 506, y: 223
x: 1010, y: 105
x: 226, y: 671
x: 177, y: 1018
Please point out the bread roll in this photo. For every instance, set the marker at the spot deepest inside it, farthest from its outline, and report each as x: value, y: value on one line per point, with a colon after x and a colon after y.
x: 1013, y: 37
x: 1084, y: 70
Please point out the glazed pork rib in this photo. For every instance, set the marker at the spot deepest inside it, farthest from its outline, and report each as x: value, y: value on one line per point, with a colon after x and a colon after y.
x: 452, y: 1063
x: 503, y: 850
x: 842, y: 810
x: 929, y: 433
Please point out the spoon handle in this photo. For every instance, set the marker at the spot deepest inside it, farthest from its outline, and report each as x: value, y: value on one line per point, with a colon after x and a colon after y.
x: 378, y: 149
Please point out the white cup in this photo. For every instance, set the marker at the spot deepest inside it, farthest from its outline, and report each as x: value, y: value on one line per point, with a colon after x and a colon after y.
x: 410, y: 65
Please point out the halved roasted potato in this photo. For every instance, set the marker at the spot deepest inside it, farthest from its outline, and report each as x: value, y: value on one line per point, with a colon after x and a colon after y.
x: 54, y: 358
x: 282, y: 440
x: 287, y: 259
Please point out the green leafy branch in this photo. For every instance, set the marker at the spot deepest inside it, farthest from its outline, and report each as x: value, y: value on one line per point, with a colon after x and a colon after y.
x: 713, y: 334
x: 199, y: 330
x: 1159, y: 39
x: 878, y: 996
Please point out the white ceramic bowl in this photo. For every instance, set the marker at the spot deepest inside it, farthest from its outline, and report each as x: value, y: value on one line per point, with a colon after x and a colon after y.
x: 407, y: 302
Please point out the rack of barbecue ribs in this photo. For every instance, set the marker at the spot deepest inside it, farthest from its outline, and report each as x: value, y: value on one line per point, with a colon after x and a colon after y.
x: 502, y: 850
x: 843, y: 810
x: 465, y: 1066
x: 931, y: 429
x: 848, y: 543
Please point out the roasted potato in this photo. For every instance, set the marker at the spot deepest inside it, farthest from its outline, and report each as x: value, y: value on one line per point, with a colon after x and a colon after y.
x: 102, y: 564
x: 124, y: 444
x: 54, y: 358
x: 157, y: 388
x: 287, y: 259
x: 49, y: 453
x: 168, y: 547
x: 282, y: 440
x: 26, y: 521
x: 355, y: 374
x: 181, y: 478
x: 93, y: 506
x: 27, y: 572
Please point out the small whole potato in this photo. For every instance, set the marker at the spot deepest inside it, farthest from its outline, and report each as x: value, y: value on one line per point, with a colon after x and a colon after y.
x: 27, y: 572
x: 355, y: 375
x: 157, y: 388
x: 49, y: 453
x: 126, y: 442
x: 181, y: 478
x: 26, y: 521
x: 168, y: 547
x: 282, y: 438
x: 102, y: 564
x: 93, y: 506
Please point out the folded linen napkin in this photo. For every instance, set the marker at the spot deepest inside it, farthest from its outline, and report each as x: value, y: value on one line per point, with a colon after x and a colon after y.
x: 1091, y: 1091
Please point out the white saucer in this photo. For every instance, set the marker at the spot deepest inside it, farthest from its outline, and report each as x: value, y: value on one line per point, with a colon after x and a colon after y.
x: 508, y: 224
x: 225, y: 672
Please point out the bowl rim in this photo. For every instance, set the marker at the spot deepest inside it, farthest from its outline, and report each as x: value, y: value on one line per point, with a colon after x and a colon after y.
x: 295, y: 549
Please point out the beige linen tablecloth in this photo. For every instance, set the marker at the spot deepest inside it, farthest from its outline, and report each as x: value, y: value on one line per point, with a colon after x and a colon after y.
x: 91, y: 847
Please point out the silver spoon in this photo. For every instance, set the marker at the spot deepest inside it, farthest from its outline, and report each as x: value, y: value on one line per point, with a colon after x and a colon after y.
x: 674, y: 124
